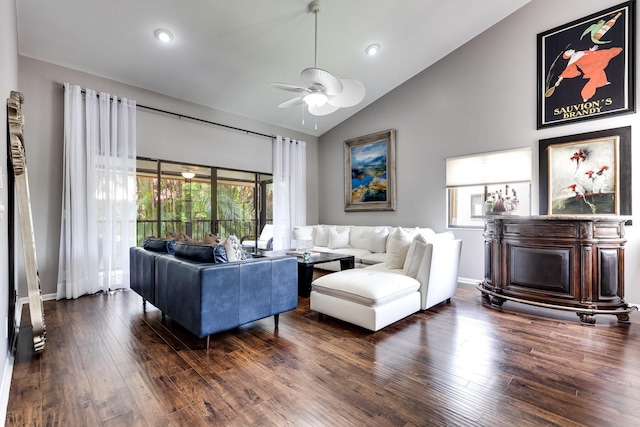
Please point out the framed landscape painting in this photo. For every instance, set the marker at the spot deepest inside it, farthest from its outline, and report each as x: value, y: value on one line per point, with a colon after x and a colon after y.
x: 586, y: 68
x: 586, y: 174
x: 370, y: 172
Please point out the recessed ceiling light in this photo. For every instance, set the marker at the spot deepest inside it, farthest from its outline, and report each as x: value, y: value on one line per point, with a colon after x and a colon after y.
x: 373, y: 49
x: 163, y: 35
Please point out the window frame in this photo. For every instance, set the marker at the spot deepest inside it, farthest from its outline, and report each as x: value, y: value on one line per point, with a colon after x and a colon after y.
x: 154, y: 170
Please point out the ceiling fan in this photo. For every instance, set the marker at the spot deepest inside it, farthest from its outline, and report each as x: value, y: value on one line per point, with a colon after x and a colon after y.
x: 323, y: 92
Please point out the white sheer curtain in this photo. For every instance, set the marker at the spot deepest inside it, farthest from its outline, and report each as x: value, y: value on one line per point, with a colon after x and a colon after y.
x: 98, y: 193
x: 289, y: 189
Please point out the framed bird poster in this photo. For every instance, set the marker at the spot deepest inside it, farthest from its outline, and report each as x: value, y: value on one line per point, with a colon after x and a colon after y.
x: 586, y: 174
x: 586, y: 68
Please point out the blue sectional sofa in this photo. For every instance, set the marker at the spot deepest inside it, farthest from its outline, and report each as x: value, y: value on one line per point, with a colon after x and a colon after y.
x: 204, y: 293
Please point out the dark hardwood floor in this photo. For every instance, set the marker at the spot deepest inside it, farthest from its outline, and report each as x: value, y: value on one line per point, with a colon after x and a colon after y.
x: 109, y: 363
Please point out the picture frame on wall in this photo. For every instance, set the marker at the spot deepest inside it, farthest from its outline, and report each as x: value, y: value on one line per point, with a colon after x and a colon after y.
x: 370, y: 172
x: 586, y: 68
x: 586, y: 174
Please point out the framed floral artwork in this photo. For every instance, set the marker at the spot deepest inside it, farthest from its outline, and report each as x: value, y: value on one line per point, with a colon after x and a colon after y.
x: 586, y: 68
x: 586, y: 174
x: 370, y: 172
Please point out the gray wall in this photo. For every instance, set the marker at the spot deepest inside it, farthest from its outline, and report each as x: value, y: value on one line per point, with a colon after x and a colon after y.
x: 158, y: 136
x: 480, y: 98
x: 8, y: 82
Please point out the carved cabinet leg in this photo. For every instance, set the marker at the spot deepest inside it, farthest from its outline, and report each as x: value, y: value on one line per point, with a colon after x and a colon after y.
x: 589, y: 319
x: 623, y: 318
x: 495, y: 301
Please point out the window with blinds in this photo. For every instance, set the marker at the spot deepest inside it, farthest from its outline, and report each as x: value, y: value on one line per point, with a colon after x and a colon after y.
x: 494, y: 182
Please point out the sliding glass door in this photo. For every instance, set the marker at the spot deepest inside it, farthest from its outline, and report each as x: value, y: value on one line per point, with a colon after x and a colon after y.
x: 236, y: 199
x: 192, y: 199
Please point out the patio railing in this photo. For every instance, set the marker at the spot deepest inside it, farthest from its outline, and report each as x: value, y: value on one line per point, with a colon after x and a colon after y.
x: 195, y: 229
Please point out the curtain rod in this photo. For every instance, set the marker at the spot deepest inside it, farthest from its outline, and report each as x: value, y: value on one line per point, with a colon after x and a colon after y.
x: 182, y: 116
x: 158, y: 110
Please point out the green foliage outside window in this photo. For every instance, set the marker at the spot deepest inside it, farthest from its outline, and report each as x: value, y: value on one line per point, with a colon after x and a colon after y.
x: 179, y: 205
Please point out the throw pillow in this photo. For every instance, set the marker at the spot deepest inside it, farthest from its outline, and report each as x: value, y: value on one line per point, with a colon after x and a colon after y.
x: 322, y: 236
x: 304, y: 232
x: 234, y: 249
x: 157, y: 245
x: 397, y: 247
x: 182, y: 237
x: 415, y: 254
x: 338, y: 239
x: 211, y: 238
x: 303, y: 237
x: 379, y: 241
x: 371, y: 238
x: 201, y: 252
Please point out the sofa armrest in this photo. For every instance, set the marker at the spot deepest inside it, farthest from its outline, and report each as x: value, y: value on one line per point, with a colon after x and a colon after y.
x: 207, y: 298
x: 438, y: 273
x: 142, y: 272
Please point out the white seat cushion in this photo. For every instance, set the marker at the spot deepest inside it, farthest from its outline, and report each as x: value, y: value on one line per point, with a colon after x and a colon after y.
x: 366, y: 287
x: 383, y: 267
x: 357, y: 253
x: 377, y: 258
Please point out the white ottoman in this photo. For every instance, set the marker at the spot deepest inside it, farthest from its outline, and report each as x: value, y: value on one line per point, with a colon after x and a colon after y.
x: 368, y: 298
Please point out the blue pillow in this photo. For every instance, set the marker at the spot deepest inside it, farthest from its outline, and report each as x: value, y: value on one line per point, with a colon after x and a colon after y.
x: 201, y: 253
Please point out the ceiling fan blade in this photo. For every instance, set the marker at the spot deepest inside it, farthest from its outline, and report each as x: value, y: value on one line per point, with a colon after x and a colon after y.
x: 292, y: 102
x: 317, y: 76
x: 290, y: 88
x: 352, y: 94
x: 322, y: 111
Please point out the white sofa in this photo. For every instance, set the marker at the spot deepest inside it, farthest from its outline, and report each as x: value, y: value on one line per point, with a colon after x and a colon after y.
x: 367, y: 244
x: 420, y: 270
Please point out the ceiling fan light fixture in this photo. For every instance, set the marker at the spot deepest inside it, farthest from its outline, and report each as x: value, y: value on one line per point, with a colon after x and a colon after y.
x: 316, y: 99
x: 163, y: 35
x: 372, y: 49
x: 323, y: 92
x: 188, y: 174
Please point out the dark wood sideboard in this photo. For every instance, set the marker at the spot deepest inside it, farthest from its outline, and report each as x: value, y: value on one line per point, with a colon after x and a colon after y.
x: 573, y: 263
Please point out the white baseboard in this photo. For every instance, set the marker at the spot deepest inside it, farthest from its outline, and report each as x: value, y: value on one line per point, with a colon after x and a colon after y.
x: 5, y: 387
x: 469, y: 281
x: 25, y: 300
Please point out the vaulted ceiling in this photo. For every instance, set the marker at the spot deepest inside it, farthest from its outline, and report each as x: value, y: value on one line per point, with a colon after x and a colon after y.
x: 225, y: 54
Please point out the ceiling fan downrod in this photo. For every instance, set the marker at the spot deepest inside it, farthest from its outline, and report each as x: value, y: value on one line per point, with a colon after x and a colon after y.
x: 314, y: 7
